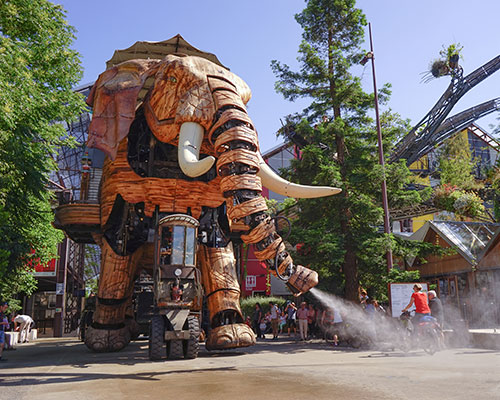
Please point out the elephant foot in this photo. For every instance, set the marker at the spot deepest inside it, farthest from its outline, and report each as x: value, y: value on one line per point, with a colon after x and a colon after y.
x: 107, y: 340
x: 230, y: 337
x: 133, y: 327
x: 302, y: 280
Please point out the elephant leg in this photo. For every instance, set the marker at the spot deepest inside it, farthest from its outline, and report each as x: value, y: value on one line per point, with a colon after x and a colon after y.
x: 109, y: 330
x: 228, y: 329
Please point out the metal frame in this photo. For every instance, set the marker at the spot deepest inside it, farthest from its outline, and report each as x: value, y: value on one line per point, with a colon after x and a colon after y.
x: 431, y: 130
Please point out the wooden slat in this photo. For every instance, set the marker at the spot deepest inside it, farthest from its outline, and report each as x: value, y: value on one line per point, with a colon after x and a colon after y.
x: 77, y: 214
x: 173, y: 195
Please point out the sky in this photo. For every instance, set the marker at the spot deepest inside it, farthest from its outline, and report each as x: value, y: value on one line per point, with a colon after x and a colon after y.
x: 247, y: 35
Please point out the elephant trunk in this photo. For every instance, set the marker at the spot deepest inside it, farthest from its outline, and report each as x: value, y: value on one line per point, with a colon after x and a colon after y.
x: 236, y: 145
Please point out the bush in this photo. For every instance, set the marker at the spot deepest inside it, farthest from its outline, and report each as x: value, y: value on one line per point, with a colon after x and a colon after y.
x: 469, y: 204
x: 248, y: 304
x: 452, y: 199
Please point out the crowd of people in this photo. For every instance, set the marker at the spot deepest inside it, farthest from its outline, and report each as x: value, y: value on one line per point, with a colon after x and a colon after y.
x: 303, y: 322
x: 312, y: 321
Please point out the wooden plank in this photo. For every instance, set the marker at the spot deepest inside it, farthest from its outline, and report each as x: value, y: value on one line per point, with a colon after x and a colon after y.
x: 173, y: 195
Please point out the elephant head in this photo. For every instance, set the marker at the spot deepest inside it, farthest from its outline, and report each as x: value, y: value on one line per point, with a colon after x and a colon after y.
x: 200, y: 107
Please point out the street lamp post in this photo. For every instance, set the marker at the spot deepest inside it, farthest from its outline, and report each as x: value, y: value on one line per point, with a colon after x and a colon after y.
x: 387, y: 228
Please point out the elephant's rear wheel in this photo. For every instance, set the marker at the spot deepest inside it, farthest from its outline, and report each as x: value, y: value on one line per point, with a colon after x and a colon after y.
x: 192, y: 345
x: 175, y: 349
x: 157, y: 338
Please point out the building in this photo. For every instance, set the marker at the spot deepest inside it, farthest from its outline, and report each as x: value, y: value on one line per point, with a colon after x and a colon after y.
x: 467, y: 273
x: 484, y: 151
x: 256, y: 278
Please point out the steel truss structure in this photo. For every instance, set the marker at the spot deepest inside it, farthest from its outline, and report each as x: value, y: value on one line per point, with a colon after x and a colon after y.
x: 433, y: 129
x: 66, y: 183
x: 74, y: 286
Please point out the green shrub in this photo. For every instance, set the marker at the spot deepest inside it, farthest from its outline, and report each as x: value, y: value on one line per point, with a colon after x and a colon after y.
x: 248, y: 304
x: 461, y: 202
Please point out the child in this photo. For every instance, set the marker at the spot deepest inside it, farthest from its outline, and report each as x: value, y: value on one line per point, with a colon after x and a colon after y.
x: 282, y: 322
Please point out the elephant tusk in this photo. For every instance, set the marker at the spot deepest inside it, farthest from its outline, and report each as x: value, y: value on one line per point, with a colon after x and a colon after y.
x: 190, y: 138
x: 281, y: 186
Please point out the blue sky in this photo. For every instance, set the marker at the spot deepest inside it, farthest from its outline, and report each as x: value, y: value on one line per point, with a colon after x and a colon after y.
x: 247, y: 35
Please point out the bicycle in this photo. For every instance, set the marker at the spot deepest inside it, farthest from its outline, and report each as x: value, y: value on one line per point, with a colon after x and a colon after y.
x: 426, y: 334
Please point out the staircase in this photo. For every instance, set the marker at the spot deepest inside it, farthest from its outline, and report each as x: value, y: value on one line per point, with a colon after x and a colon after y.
x: 95, y: 181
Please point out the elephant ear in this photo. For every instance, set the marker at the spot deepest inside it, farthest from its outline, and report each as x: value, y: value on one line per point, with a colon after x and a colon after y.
x: 114, y: 99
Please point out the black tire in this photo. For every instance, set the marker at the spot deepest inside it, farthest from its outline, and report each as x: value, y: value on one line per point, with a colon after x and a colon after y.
x: 157, y: 338
x: 430, y: 341
x: 405, y: 340
x: 192, y: 345
x: 355, y: 342
x: 175, y: 350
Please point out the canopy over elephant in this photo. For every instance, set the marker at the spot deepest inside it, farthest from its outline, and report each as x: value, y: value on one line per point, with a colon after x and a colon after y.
x: 178, y: 139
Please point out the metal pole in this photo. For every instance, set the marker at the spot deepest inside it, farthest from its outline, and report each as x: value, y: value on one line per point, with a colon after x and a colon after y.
x: 62, y: 269
x: 387, y: 228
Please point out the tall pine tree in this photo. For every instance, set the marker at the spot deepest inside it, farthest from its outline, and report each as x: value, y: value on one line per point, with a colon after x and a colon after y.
x: 340, y: 234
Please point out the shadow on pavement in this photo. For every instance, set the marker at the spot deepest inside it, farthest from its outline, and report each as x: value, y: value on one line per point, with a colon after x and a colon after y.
x: 23, y: 379
x: 70, y: 351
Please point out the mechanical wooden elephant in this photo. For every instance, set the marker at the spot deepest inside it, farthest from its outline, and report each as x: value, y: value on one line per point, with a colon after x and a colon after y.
x: 178, y: 139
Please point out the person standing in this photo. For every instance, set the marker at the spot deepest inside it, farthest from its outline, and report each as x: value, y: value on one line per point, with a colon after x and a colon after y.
x: 291, y: 318
x: 337, y: 327
x: 4, y: 324
x: 302, y: 317
x: 256, y: 320
x: 326, y: 322
x: 363, y: 296
x: 23, y: 323
x: 282, y: 321
x: 370, y: 309
x: 274, y: 319
x: 311, y: 316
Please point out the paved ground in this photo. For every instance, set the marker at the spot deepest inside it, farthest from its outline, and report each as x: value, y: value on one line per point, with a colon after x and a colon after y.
x: 64, y: 369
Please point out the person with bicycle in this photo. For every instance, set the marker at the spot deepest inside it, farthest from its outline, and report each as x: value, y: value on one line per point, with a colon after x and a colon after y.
x: 418, y: 298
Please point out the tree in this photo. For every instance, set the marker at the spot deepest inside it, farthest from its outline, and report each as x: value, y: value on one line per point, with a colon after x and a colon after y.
x: 456, y: 164
x: 457, y: 191
x: 38, y: 71
x: 340, y: 234
x: 92, y: 264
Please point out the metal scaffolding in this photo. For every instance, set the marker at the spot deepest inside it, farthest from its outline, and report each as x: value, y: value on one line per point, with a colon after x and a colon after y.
x: 66, y: 184
x: 433, y: 129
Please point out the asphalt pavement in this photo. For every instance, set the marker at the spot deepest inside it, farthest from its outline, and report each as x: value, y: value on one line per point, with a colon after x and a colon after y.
x: 64, y: 368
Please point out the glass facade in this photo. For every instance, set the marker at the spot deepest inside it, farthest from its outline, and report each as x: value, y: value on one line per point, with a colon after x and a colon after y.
x: 470, y: 237
x: 480, y: 153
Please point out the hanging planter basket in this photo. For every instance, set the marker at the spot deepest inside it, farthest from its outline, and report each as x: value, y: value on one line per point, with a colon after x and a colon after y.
x: 439, y: 68
x: 453, y: 61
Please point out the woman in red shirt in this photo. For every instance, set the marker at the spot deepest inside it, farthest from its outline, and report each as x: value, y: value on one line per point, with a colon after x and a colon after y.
x: 419, y: 298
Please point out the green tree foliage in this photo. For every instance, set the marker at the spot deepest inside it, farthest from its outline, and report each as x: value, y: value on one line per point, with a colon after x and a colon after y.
x: 37, y: 73
x: 457, y: 191
x: 92, y: 269
x: 456, y: 163
x: 340, y: 234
